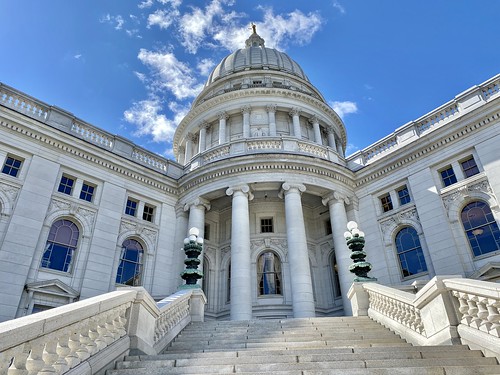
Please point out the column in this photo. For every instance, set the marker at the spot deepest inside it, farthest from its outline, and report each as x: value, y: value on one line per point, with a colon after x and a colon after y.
x: 301, y: 282
x: 246, y: 121
x: 271, y: 113
x: 340, y: 149
x: 197, y: 209
x: 338, y: 218
x: 317, y: 132
x: 189, y: 148
x: 241, y: 277
x: 202, y: 142
x: 295, y: 112
x: 181, y: 228
x: 331, y: 138
x: 222, y: 127
x: 180, y: 155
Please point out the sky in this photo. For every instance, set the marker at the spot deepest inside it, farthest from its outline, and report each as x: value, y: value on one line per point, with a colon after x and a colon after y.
x: 133, y: 68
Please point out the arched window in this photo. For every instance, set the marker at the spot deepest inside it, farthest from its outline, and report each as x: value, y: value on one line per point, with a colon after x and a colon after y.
x: 269, y: 274
x: 228, y: 291
x: 130, y: 268
x: 61, y: 246
x: 481, y: 228
x: 335, y: 277
x: 410, y: 254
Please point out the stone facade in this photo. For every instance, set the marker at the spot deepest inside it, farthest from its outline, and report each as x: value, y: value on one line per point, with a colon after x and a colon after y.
x: 260, y: 170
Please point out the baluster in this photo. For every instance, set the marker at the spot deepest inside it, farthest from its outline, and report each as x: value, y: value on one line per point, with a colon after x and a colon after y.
x: 83, y: 339
x: 62, y: 350
x: 49, y: 356
x: 473, y: 310
x: 34, y: 362
x: 73, y: 344
x: 494, y: 316
x: 483, y: 314
x: 464, y: 307
x: 18, y: 365
x: 119, y: 323
x: 97, y: 342
x: 111, y: 328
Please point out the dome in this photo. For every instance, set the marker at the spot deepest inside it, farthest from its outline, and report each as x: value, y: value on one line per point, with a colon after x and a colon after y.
x: 256, y: 56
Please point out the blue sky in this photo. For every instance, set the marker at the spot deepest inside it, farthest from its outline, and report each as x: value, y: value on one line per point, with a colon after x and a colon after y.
x: 133, y: 68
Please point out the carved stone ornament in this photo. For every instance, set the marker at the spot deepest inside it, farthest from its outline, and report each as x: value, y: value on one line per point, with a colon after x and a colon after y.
x: 9, y: 190
x: 224, y: 251
x: 255, y: 244
x: 398, y: 218
x: 85, y: 214
x: 463, y: 191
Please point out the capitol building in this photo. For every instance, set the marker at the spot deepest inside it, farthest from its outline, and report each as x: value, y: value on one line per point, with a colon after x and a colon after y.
x: 261, y: 171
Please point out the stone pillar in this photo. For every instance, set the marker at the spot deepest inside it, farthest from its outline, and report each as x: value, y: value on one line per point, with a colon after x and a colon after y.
x: 222, y: 127
x: 317, y: 132
x: 202, y: 142
x: 295, y: 112
x: 241, y: 277
x: 271, y: 112
x: 331, y: 138
x: 340, y: 149
x: 246, y: 121
x: 180, y: 155
x: 197, y: 209
x: 189, y: 148
x: 301, y: 282
x: 181, y: 228
x: 338, y: 218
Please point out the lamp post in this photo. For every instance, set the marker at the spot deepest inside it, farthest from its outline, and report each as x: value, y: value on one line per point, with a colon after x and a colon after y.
x: 356, y: 242
x: 193, y: 246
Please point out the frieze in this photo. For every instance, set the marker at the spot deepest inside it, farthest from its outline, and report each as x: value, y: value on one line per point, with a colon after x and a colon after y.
x: 74, y: 208
x: 147, y: 232
x: 397, y: 218
x: 10, y: 191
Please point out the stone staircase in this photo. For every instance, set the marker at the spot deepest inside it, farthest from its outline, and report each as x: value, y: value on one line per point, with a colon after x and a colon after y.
x: 344, y: 345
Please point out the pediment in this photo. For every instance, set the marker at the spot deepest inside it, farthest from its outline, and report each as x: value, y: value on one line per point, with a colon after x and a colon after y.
x: 488, y: 272
x: 53, y: 287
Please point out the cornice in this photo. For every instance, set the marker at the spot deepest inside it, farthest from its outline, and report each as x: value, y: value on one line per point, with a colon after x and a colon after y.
x: 85, y: 155
x: 262, y: 92
x: 271, y: 163
x: 426, y: 147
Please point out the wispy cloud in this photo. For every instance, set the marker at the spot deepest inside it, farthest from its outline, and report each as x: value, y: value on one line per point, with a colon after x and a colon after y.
x: 205, y: 66
x: 336, y: 4
x: 344, y: 108
x: 162, y: 18
x: 78, y: 56
x: 116, y: 21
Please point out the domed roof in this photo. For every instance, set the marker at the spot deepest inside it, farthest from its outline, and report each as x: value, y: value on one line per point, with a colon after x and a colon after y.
x: 255, y: 56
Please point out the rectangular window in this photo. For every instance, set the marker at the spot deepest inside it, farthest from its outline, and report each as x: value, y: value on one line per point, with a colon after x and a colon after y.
x: 469, y: 167
x: 66, y: 185
x: 266, y: 225
x: 131, y: 207
x: 386, y: 202
x: 404, y: 195
x: 12, y: 166
x: 328, y: 227
x: 87, y: 193
x: 207, y: 232
x: 148, y: 213
x: 448, y: 176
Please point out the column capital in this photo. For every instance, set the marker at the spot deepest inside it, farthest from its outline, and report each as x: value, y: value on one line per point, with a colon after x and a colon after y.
x: 179, y: 210
x: 271, y: 108
x: 243, y: 188
x: 335, y: 197
x: 197, y: 202
x: 181, y: 149
x: 294, y: 111
x: 222, y: 115
x: 246, y: 109
x: 205, y: 125
x: 190, y: 137
x: 314, y: 119
x: 288, y: 187
x: 330, y: 130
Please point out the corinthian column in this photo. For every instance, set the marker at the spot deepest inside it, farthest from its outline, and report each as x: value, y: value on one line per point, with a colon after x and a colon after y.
x: 271, y: 112
x: 241, y: 277
x: 222, y: 127
x: 317, y: 133
x: 331, y: 138
x: 246, y: 121
x: 295, y: 112
x: 202, y: 142
x: 189, y: 148
x: 302, y: 292
x: 336, y: 204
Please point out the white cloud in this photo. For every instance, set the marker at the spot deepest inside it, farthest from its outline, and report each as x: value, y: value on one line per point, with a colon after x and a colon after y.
x: 171, y: 74
x: 338, y: 6
x: 145, y: 4
x: 205, y: 66
x: 173, y: 3
x: 351, y: 149
x: 78, y: 56
x: 146, y: 116
x: 344, y: 108
x: 116, y: 21
x: 162, y: 18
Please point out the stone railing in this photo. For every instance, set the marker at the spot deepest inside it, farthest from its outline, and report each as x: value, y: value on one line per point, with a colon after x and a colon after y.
x: 413, y: 130
x: 88, y: 336
x: 448, y: 310
x: 64, y: 121
x: 279, y: 144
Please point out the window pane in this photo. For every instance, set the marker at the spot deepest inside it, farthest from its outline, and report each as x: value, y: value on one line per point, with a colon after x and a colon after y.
x: 448, y: 176
x: 386, y: 203
x: 60, y: 246
x: 480, y: 228
x: 130, y: 267
x: 269, y: 274
x: 66, y: 185
x: 469, y: 167
x: 404, y: 195
x: 410, y: 254
x: 131, y: 207
x: 87, y: 192
x: 266, y: 225
x: 11, y: 166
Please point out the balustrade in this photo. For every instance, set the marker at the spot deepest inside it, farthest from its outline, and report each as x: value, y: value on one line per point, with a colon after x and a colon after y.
x: 149, y: 159
x: 24, y: 104
x: 92, y: 135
